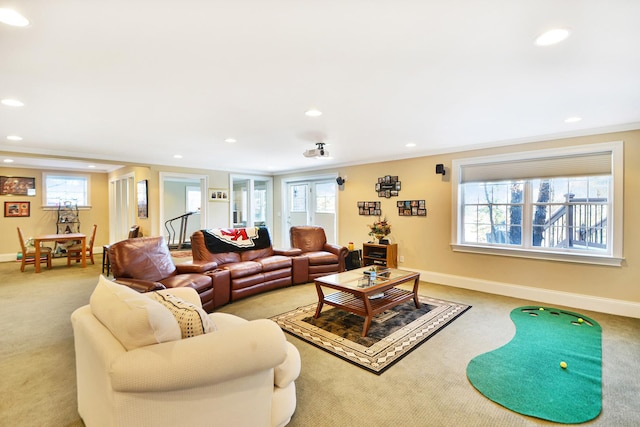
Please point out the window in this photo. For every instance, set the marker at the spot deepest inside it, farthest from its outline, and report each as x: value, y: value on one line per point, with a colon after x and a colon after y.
x: 61, y: 188
x: 563, y: 204
x: 298, y: 198
x: 326, y: 197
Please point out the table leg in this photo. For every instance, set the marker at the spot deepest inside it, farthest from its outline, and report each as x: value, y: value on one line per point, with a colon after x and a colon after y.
x: 320, y: 301
x: 84, y: 251
x: 37, y: 260
x: 368, y: 317
x: 415, y: 292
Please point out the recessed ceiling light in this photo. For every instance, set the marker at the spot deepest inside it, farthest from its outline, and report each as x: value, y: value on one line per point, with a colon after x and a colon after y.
x: 14, y: 138
x: 91, y: 166
x: 572, y: 119
x: 313, y: 112
x: 177, y: 156
x: 12, y: 103
x: 11, y: 17
x: 410, y: 144
x: 230, y: 140
x: 8, y: 160
x: 552, y: 37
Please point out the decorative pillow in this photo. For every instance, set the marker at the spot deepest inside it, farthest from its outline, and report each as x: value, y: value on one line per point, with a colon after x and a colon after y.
x: 132, y: 318
x: 192, y: 319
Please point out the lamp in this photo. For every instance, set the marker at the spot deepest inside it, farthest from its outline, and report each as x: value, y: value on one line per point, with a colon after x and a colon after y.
x: 440, y: 169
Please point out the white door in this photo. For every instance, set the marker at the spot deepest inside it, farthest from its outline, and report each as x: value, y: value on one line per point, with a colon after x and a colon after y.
x: 312, y: 203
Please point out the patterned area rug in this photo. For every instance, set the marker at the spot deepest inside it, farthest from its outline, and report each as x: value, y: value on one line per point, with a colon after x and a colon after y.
x: 392, y: 335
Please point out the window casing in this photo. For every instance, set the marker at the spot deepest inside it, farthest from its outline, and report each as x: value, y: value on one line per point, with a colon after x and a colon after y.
x: 560, y: 204
x: 59, y: 188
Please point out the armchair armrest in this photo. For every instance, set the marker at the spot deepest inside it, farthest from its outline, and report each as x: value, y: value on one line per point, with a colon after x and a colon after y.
x: 288, y: 252
x: 211, y: 358
x: 140, y: 285
x: 196, y: 266
x: 341, y: 251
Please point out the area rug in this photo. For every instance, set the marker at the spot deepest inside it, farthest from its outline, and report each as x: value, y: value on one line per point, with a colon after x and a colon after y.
x: 551, y: 369
x: 392, y: 335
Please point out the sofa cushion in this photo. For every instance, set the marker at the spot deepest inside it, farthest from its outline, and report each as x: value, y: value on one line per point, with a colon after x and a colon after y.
x: 192, y: 319
x: 275, y: 262
x: 321, y: 257
x: 243, y: 269
x: 132, y: 318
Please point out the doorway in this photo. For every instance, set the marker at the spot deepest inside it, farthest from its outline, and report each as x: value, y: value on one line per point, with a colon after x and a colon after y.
x: 183, y: 207
x: 311, y: 202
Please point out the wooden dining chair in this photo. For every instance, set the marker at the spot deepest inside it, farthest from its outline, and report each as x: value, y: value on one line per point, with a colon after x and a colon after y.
x: 28, y: 255
x: 75, y: 251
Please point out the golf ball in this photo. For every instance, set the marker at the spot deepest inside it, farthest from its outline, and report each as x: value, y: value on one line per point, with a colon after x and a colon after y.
x: 563, y: 365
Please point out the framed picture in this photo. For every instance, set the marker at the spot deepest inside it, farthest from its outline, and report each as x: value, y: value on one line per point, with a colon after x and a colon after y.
x: 143, y: 199
x: 17, y: 209
x: 218, y: 195
x: 18, y: 186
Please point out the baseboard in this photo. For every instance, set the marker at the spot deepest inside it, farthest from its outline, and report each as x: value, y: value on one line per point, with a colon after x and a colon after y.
x: 567, y: 299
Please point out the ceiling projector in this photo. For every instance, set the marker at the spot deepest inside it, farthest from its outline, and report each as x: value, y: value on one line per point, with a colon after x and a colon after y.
x: 317, y: 153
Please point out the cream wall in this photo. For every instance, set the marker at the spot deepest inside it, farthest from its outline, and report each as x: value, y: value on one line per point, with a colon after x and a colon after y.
x: 424, y: 242
x: 44, y: 221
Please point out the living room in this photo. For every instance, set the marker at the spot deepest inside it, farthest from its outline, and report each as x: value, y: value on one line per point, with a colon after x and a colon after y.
x: 493, y: 281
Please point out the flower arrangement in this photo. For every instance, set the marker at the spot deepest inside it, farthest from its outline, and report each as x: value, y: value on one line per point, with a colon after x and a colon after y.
x: 379, y: 228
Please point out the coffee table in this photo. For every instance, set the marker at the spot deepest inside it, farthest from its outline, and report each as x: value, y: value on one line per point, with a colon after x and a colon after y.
x: 367, y: 300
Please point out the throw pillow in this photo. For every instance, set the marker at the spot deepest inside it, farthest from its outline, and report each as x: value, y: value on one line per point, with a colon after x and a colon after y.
x: 192, y: 319
x: 132, y: 318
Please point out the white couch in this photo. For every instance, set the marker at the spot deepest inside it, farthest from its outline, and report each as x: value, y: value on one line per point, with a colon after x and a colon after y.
x: 134, y: 369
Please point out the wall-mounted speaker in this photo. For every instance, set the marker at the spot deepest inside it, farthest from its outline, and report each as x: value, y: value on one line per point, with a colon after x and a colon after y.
x: 440, y: 169
x: 340, y: 180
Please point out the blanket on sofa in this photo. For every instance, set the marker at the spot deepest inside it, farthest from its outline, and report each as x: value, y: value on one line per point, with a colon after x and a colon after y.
x: 218, y: 240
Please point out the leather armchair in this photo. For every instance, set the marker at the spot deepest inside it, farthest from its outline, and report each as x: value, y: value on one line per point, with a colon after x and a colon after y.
x: 145, y: 264
x: 323, y: 258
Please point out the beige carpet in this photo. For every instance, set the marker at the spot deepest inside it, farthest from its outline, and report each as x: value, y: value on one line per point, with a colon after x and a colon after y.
x: 426, y: 388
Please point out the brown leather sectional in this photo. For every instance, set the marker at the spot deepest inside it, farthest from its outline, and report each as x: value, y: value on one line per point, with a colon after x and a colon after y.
x: 250, y: 271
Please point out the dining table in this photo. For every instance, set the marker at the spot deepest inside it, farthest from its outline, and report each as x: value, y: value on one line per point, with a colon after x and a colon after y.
x: 62, y: 237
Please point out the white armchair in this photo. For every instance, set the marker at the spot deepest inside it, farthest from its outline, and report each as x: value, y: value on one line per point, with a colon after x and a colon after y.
x: 134, y: 369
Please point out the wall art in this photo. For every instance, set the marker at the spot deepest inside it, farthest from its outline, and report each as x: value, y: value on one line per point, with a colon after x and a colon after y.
x: 143, y: 199
x: 388, y: 186
x: 218, y: 195
x: 411, y: 208
x: 19, y: 186
x: 17, y: 209
x: 369, y: 208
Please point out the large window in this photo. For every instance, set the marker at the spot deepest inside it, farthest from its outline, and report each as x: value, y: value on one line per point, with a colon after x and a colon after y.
x: 557, y: 204
x: 64, y: 187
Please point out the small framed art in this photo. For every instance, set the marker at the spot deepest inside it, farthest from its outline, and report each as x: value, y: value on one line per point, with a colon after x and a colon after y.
x: 17, y: 209
x: 143, y: 199
x: 218, y: 195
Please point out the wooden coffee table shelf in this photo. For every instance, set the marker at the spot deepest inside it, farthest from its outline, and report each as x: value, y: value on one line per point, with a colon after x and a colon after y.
x: 355, y: 299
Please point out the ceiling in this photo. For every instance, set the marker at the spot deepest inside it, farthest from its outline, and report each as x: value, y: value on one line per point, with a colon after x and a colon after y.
x: 141, y: 81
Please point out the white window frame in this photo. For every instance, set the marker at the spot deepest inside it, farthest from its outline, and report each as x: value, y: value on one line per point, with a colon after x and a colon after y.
x: 87, y: 177
x: 614, y: 257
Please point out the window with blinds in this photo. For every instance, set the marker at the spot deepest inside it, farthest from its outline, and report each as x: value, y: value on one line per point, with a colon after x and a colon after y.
x: 563, y: 204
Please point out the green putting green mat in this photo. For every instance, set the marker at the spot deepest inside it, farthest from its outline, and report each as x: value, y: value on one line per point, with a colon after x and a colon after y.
x: 551, y: 369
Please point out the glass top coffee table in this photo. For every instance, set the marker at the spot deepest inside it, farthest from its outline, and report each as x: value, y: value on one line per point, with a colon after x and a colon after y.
x: 359, y: 295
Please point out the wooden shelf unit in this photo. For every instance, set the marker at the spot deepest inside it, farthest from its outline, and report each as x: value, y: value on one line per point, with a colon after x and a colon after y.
x: 385, y: 255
